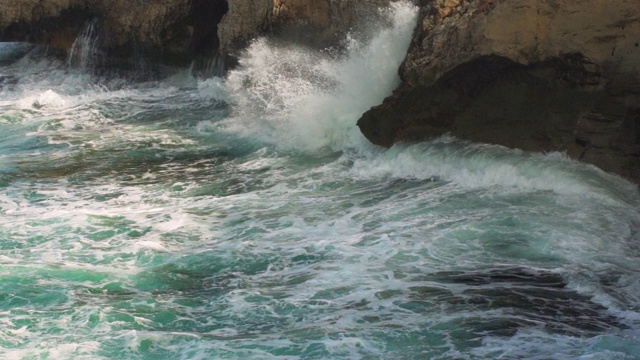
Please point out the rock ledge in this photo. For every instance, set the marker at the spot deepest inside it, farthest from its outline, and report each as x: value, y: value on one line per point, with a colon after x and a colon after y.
x: 544, y: 75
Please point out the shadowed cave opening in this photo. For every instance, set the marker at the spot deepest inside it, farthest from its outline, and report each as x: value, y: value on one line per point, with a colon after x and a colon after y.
x: 189, y: 39
x: 204, y: 17
x: 57, y: 32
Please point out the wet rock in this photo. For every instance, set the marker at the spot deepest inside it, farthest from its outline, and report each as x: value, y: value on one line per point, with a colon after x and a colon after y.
x: 243, y: 21
x: 525, y: 298
x: 176, y: 32
x: 541, y: 76
x: 173, y: 30
x: 323, y: 23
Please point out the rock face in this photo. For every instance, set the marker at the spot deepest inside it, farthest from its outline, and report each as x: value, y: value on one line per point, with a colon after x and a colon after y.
x: 322, y: 23
x: 243, y: 21
x: 543, y: 75
x: 170, y: 29
x: 174, y: 31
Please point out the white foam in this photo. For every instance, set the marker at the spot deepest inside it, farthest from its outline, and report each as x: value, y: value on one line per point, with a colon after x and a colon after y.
x: 485, y: 166
x: 7, y: 205
x: 212, y: 88
x: 308, y: 100
x: 311, y: 251
x: 47, y: 99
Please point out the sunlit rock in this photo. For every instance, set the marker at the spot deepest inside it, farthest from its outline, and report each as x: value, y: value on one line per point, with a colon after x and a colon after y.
x: 543, y: 76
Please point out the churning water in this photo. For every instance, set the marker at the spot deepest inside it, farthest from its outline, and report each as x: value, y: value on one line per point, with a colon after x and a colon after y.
x: 246, y: 217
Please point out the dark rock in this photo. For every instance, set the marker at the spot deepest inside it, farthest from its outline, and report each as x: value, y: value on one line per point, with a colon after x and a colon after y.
x: 176, y: 32
x: 12, y: 52
x: 525, y: 298
x: 543, y: 76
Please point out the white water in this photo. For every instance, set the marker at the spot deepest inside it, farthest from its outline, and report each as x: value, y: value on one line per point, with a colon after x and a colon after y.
x: 247, y: 218
x: 308, y: 100
x: 85, y: 51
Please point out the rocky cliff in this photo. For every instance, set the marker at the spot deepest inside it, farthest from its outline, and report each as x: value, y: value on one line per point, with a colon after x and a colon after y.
x: 175, y: 31
x: 541, y: 75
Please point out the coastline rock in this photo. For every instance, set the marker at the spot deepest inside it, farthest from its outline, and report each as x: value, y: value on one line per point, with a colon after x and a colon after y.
x: 176, y: 32
x: 323, y: 23
x: 173, y: 30
x: 545, y: 75
x: 244, y: 20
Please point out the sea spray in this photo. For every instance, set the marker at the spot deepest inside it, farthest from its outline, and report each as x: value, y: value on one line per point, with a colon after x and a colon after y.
x: 183, y: 219
x: 474, y: 166
x: 308, y: 99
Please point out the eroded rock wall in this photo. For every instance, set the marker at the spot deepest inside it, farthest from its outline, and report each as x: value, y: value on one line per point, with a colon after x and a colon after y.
x: 322, y: 23
x: 243, y: 21
x: 541, y: 75
x: 126, y: 28
x: 176, y: 31
x: 526, y: 31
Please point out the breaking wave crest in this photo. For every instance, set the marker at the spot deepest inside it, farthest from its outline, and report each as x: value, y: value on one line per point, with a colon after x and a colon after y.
x: 307, y: 99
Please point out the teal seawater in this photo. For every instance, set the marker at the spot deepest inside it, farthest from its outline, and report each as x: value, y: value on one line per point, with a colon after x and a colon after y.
x: 246, y: 217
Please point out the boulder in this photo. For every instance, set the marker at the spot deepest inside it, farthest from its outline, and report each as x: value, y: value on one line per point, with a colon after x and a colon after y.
x: 544, y: 75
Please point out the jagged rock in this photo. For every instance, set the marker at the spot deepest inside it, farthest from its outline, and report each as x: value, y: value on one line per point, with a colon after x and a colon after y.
x: 171, y: 29
x: 322, y: 23
x: 525, y: 31
x: 243, y: 21
x: 176, y: 31
x: 545, y: 75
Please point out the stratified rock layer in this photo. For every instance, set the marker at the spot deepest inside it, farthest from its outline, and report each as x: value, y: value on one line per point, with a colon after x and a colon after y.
x: 544, y: 75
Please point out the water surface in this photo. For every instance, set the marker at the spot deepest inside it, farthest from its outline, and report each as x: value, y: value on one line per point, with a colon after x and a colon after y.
x: 246, y: 217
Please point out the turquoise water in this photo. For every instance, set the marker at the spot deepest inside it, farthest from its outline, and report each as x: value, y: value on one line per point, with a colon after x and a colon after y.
x: 246, y: 217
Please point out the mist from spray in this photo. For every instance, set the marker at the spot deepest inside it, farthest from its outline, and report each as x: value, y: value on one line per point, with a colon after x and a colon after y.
x: 247, y: 218
x: 308, y: 99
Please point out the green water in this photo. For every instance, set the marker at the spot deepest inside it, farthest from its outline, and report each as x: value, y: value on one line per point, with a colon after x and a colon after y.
x: 246, y: 217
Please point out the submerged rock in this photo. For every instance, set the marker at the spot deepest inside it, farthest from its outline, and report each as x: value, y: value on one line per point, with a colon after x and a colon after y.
x: 525, y: 298
x: 11, y: 52
x: 543, y: 76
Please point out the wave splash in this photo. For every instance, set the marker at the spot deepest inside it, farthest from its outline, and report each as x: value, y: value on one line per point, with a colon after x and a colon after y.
x: 306, y: 100
x: 309, y: 100
x: 484, y: 166
x: 128, y: 214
